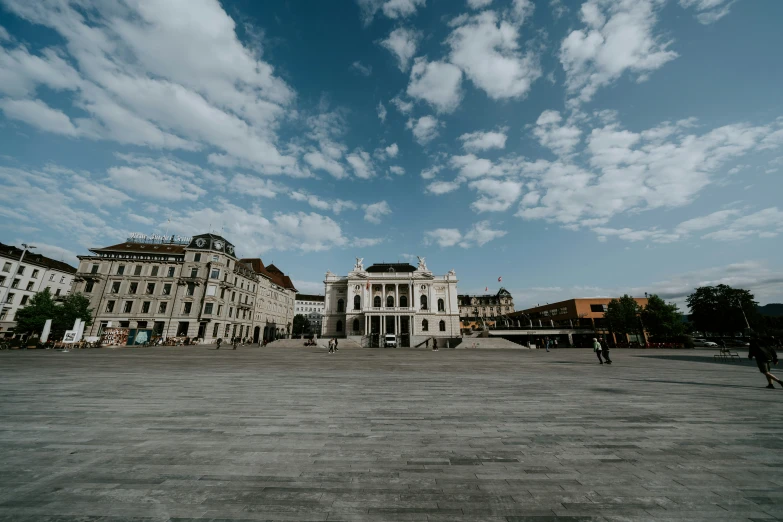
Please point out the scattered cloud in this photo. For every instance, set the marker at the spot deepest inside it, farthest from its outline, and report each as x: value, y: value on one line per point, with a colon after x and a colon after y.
x: 396, y: 169
x: 431, y: 172
x: 255, y: 186
x: 478, y: 4
x: 442, y: 187
x: 381, y: 112
x: 336, y: 205
x: 405, y: 107
x: 479, y: 141
x: 359, y: 67
x: 425, y: 129
x: 361, y: 162
x: 375, y: 211
x: 479, y: 234
x: 437, y: 83
x: 364, y: 242
x: 496, y: 195
x: 560, y: 139
x: 708, y: 11
x: 392, y: 150
x: 393, y: 9
x: 402, y: 43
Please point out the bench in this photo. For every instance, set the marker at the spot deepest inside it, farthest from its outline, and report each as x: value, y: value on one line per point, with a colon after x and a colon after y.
x: 726, y: 352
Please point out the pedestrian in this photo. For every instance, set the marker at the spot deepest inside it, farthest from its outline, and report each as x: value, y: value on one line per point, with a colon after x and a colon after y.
x: 554, y: 342
x: 547, y: 343
x: 235, y: 342
x: 764, y: 355
x: 335, y: 344
x: 434, y: 345
x: 331, y: 345
x: 219, y: 340
x: 427, y: 343
x: 597, y: 349
x: 605, y: 350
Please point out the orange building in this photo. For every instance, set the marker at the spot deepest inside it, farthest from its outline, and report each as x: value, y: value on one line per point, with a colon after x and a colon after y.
x: 583, y: 313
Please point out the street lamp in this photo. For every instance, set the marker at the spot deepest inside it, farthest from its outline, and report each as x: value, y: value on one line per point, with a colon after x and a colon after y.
x: 13, y: 273
x: 739, y: 303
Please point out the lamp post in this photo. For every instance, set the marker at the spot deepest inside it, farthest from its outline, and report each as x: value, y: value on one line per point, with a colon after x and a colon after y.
x: 13, y: 273
x: 739, y: 303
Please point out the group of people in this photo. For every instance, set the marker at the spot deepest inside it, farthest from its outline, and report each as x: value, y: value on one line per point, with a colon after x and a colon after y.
x: 235, y: 341
x: 601, y: 348
x: 547, y: 342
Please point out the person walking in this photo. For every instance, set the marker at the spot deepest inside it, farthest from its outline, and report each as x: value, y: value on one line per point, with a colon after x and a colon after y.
x: 335, y: 344
x: 219, y: 340
x: 434, y: 345
x: 605, y: 350
x: 331, y: 345
x: 236, y: 342
x: 764, y: 355
x: 546, y: 341
x: 427, y: 342
x: 597, y: 349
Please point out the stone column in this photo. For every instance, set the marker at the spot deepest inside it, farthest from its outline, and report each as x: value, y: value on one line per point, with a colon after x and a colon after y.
x: 396, y: 295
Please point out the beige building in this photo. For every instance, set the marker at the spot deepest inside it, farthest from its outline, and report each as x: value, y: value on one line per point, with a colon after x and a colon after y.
x: 20, y: 282
x: 409, y: 302
x: 477, y: 311
x: 192, y: 287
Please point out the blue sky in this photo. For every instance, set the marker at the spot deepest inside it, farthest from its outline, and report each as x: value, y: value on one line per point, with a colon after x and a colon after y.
x: 573, y: 148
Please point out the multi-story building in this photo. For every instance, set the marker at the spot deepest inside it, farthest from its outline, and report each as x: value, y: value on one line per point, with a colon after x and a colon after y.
x: 274, y: 312
x: 312, y: 307
x: 192, y: 287
x: 391, y: 298
x: 479, y: 311
x: 19, y: 282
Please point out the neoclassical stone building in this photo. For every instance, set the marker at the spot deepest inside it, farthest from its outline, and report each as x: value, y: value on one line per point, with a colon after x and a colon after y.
x: 476, y: 311
x: 191, y: 287
x: 396, y: 298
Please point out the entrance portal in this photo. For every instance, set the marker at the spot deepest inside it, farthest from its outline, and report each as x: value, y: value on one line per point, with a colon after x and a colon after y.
x: 256, y: 333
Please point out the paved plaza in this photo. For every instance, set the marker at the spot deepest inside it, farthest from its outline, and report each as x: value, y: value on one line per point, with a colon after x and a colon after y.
x: 191, y: 433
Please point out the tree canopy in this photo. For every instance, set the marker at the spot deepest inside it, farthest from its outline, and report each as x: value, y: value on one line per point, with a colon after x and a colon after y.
x: 719, y: 309
x: 661, y: 319
x: 301, y: 325
x: 623, y: 315
x: 42, y: 306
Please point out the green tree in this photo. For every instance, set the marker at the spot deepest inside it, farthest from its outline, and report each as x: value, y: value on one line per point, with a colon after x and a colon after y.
x: 663, y: 320
x: 301, y: 324
x: 722, y: 309
x: 42, y: 306
x: 623, y: 315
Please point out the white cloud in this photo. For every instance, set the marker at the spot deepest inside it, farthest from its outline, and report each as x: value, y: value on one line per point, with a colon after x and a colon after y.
x: 37, y: 114
x: 521, y: 10
x: 336, y: 205
x: 392, y: 150
x: 255, y: 186
x: 618, y: 37
x: 405, y: 107
x: 558, y: 9
x: 478, y: 141
x: 431, y: 172
x: 561, y: 139
x: 496, y: 195
x: 709, y: 11
x: 471, y: 167
x: 442, y: 187
x: 486, y: 48
x: 437, y: 83
x: 153, y: 183
x: 361, y: 163
x: 396, y: 169
x: 478, y: 4
x: 364, y: 242
x: 402, y: 43
x: 393, y: 9
x: 364, y: 70
x: 479, y: 234
x: 381, y: 112
x: 425, y: 129
x: 319, y: 161
x: 4, y: 34
x: 704, y: 222
x: 765, y: 223
x: 375, y: 211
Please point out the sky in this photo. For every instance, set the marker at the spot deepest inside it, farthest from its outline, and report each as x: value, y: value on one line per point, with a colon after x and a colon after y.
x: 571, y: 148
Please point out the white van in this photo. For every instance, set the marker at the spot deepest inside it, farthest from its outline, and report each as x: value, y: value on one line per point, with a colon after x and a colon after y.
x: 390, y: 341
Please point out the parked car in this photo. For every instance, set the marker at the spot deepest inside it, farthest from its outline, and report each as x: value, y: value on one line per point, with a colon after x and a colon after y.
x: 390, y: 341
x: 737, y: 343
x: 704, y: 343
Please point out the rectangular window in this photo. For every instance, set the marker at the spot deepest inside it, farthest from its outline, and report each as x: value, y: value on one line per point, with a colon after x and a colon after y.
x: 120, y: 270
x: 162, y: 308
x: 7, y: 267
x: 211, y: 289
x: 24, y: 300
x: 10, y: 298
x: 230, y: 312
x: 233, y: 296
x: 137, y: 270
x: 110, y: 306
x: 145, y: 307
x: 35, y: 274
x: 88, y: 286
x: 133, y: 287
x: 194, y: 272
x: 208, y: 309
x: 94, y: 269
x: 197, y: 258
x: 15, y: 284
x: 215, y: 330
x: 29, y: 286
x: 171, y: 271
x: 215, y: 273
x: 150, y: 288
x: 223, y: 293
x: 598, y: 308
x: 154, y: 272
x: 191, y: 289
x: 3, y: 314
x: 128, y: 307
x: 215, y: 259
x: 20, y: 270
x: 220, y: 309
x: 563, y: 311
x: 167, y: 289
x: 186, y: 308
x: 115, y: 287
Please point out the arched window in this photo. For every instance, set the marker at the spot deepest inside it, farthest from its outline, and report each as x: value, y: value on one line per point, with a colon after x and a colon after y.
x: 390, y: 301
x: 404, y: 301
x: 425, y: 326
x: 377, y: 301
x: 356, y: 325
x: 340, y: 326
x: 357, y: 303
x: 424, y: 302
x: 340, y: 305
x: 441, y: 305
x: 442, y: 326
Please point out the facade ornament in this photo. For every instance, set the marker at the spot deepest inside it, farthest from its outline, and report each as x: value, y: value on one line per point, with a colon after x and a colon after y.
x: 359, y: 266
x: 452, y: 272
x: 422, y: 263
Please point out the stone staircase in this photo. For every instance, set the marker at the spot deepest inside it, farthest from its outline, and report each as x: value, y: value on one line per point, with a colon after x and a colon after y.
x: 489, y: 343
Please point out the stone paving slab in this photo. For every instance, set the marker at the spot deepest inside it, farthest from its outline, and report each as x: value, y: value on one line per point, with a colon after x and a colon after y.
x: 292, y: 433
